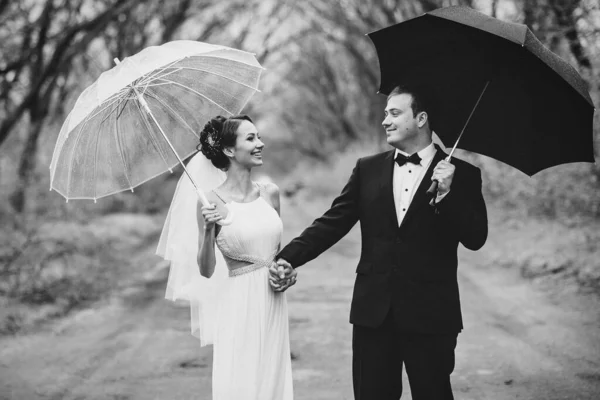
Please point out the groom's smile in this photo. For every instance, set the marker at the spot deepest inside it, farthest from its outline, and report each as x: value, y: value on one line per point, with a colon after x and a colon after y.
x: 402, y: 126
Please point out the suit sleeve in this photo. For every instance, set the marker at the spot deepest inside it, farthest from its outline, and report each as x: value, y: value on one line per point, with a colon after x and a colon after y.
x: 464, y: 209
x: 328, y: 229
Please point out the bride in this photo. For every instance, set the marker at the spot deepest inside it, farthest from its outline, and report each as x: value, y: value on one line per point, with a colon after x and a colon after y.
x: 222, y: 268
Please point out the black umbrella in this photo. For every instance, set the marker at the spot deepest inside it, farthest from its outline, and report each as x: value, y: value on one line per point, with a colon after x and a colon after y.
x: 534, y: 109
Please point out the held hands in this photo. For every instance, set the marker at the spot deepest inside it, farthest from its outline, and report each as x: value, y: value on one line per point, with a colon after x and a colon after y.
x: 211, y: 216
x: 282, y: 275
x: 443, y: 173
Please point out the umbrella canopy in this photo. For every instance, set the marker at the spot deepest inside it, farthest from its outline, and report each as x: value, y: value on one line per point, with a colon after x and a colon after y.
x: 536, y: 111
x: 142, y: 117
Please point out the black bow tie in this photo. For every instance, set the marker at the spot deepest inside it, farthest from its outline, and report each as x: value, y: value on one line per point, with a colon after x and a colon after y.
x: 401, y: 159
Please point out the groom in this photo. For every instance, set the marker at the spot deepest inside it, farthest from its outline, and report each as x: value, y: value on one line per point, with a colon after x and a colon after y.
x: 405, y: 308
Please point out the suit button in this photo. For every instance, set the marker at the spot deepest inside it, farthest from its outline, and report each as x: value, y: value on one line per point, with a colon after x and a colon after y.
x: 398, y: 241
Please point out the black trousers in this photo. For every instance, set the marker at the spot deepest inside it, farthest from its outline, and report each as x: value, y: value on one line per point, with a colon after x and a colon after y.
x: 379, y: 354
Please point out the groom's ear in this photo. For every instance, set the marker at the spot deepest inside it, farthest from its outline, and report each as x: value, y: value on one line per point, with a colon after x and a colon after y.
x: 422, y: 118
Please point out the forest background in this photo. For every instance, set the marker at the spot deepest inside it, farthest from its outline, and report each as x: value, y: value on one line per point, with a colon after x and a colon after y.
x: 318, y: 110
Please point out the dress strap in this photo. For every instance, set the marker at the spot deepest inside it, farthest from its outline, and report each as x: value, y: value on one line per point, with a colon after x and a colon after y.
x: 216, y: 192
x: 261, y: 189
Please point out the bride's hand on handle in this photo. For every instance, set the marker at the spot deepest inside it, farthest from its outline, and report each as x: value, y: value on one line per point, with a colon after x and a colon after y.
x: 211, y: 216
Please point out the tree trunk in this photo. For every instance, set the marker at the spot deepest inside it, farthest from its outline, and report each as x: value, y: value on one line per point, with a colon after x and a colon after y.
x: 532, y: 19
x: 494, y: 8
x: 566, y: 20
x: 27, y: 165
x: 73, y: 40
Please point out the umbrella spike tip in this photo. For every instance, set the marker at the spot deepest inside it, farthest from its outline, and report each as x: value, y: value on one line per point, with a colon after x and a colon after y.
x: 131, y: 189
x: 95, y: 201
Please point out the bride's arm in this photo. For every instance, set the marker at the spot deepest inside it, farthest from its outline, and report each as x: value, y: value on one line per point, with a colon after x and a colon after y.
x: 207, y: 218
x: 206, y: 255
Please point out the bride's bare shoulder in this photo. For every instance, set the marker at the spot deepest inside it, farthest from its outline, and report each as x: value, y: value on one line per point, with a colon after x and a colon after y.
x: 271, y: 189
x: 271, y: 192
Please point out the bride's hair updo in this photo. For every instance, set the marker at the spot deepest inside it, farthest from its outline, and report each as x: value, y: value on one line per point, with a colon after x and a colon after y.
x: 217, y: 134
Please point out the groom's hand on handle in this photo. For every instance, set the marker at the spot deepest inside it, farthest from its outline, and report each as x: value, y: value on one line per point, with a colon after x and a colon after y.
x: 282, y: 275
x: 441, y: 181
x: 443, y: 173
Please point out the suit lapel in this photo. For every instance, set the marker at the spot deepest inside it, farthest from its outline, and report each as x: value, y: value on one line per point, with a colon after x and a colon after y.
x: 420, y: 197
x: 386, y: 188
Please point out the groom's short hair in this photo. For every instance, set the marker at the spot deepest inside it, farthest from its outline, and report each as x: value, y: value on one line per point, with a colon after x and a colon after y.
x: 422, y: 99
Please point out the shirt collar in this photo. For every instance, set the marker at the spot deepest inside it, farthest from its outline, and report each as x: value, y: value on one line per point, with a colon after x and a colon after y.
x: 426, y: 154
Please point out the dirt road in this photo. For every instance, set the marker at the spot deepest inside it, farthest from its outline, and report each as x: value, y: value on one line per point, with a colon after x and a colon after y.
x: 519, y: 343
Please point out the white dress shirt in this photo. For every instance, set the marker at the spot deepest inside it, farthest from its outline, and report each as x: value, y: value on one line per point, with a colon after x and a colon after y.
x: 407, y: 179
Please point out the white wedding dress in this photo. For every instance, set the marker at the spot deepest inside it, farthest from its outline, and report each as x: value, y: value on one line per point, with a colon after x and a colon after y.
x: 251, y: 359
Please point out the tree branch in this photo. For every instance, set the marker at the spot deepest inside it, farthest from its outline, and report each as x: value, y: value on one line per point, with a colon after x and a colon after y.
x: 564, y: 11
x: 173, y: 21
x: 59, y: 61
x: 3, y: 5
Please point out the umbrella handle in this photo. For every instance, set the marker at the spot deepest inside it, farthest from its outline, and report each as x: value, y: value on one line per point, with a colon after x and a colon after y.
x: 228, y: 220
x: 200, y: 193
x: 432, y: 192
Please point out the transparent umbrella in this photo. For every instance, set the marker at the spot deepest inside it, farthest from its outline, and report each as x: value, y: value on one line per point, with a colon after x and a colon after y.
x: 143, y: 117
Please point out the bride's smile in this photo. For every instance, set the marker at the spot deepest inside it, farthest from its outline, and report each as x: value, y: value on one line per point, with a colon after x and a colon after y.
x: 248, y: 146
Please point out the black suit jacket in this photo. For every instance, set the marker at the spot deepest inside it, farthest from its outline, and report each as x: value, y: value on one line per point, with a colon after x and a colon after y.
x: 412, y: 268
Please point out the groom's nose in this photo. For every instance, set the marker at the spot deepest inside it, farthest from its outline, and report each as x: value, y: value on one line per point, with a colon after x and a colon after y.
x: 385, y: 122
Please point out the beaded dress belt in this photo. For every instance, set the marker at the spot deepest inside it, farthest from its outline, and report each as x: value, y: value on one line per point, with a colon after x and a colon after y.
x: 256, y: 263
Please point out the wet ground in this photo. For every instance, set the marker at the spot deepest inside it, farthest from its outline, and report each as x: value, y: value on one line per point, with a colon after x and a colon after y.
x: 521, y: 341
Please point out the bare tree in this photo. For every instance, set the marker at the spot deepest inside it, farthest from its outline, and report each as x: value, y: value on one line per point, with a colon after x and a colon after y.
x: 30, y: 76
x: 574, y: 23
x: 566, y: 21
x: 335, y: 66
x: 36, y: 79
